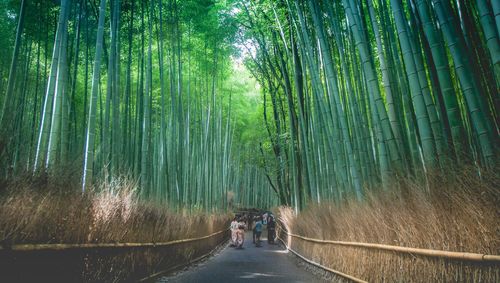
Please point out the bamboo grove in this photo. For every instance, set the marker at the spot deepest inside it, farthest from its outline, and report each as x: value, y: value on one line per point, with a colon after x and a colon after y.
x: 352, y: 95
x: 362, y: 92
x: 124, y: 89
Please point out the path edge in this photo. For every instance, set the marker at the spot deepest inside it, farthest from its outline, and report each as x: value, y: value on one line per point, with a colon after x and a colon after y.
x: 172, y: 269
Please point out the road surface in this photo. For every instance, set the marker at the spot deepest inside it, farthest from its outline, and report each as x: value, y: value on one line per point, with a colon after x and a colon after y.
x: 269, y: 263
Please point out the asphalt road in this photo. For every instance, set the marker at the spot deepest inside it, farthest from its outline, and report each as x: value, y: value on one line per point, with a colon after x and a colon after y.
x: 269, y: 263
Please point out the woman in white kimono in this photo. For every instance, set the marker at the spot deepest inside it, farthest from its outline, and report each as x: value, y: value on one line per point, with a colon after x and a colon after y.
x: 234, y: 229
x: 240, y: 235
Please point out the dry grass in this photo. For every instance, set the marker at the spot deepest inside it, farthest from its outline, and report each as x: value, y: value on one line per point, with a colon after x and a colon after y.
x: 459, y: 214
x: 41, y: 210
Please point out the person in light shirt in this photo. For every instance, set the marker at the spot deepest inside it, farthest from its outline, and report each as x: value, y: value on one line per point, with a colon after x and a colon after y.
x: 234, y: 230
x: 240, y: 235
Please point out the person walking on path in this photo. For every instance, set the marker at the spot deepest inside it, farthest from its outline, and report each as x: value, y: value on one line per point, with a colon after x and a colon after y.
x: 254, y: 220
x: 240, y: 235
x: 234, y: 230
x: 258, y: 231
x: 250, y: 220
x: 271, y: 230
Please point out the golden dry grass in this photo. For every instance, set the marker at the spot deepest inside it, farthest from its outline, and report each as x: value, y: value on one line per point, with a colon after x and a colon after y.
x: 453, y: 214
x: 34, y: 210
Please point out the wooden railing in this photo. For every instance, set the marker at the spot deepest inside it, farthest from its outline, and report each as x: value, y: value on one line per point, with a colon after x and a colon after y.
x: 55, y: 247
x: 15, y: 255
x: 465, y: 256
x: 460, y: 256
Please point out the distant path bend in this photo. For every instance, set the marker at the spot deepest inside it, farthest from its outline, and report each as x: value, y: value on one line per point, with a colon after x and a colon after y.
x: 269, y: 263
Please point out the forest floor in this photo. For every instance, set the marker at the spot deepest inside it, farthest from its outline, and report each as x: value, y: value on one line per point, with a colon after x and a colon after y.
x: 269, y: 263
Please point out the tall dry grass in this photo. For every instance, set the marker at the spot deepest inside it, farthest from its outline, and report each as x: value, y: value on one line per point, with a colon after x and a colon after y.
x: 48, y: 210
x: 458, y: 213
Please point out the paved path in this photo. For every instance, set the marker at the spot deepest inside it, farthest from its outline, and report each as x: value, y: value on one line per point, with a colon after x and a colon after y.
x: 269, y: 263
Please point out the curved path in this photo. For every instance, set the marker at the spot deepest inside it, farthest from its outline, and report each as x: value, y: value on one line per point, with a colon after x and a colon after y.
x: 269, y: 263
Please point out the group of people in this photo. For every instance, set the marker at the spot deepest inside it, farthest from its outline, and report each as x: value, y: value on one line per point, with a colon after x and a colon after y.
x: 256, y: 223
x: 238, y: 227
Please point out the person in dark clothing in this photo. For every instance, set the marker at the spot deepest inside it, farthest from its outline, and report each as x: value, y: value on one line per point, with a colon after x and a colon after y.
x: 254, y: 220
x: 271, y: 230
x: 250, y: 224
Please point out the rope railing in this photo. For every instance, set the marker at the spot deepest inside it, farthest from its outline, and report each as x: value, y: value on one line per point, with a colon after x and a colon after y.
x: 57, y: 247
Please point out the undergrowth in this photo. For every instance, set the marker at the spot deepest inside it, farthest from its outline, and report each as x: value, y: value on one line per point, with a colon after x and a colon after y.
x: 49, y: 210
x: 458, y: 213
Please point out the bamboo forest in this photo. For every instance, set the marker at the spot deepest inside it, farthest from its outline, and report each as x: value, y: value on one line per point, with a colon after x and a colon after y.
x: 345, y: 128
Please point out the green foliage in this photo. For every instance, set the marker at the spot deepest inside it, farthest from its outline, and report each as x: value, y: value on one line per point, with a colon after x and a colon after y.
x: 198, y: 118
x: 359, y: 93
x: 296, y: 100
